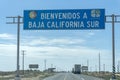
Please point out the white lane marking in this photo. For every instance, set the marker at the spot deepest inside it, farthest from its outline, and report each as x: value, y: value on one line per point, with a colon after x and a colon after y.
x: 82, y: 79
x: 65, y: 78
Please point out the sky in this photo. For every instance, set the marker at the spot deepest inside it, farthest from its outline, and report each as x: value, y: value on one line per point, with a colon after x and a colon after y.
x: 61, y: 48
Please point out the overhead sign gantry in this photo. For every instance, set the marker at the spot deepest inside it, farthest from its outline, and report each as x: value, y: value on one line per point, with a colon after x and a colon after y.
x: 80, y: 19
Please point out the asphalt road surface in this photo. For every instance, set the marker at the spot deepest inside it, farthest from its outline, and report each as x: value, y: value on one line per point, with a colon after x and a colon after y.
x: 70, y: 76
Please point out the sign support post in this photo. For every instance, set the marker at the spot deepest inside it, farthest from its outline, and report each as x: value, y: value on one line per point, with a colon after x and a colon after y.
x: 17, y: 77
x: 113, y: 21
x: 18, y: 49
x: 113, y: 47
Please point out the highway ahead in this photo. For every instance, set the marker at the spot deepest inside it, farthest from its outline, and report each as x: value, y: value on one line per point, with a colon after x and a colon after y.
x: 70, y: 76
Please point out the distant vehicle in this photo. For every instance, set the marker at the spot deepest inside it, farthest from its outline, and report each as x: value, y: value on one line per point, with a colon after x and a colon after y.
x: 77, y: 69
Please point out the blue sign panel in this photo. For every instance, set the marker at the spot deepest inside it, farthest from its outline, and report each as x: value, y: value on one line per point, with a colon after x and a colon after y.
x: 64, y: 19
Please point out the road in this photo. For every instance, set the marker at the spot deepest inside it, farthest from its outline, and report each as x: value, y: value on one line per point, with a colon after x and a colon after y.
x: 70, y: 76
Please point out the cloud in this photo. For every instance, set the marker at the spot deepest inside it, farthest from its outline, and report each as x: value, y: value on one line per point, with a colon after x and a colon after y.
x: 67, y: 54
x: 47, y: 41
x: 91, y: 34
x: 59, y: 48
x: 7, y: 36
x: 62, y: 52
x: 8, y: 49
x: 73, y: 51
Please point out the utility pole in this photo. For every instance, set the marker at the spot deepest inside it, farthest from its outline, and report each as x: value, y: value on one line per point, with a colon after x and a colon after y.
x: 95, y: 68
x: 17, y: 20
x: 88, y: 65
x: 45, y: 63
x: 104, y: 68
x: 118, y: 66
x: 23, y: 53
x: 99, y: 63
x: 51, y: 65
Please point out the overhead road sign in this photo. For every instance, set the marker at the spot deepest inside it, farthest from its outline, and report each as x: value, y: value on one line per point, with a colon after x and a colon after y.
x: 33, y: 66
x: 67, y: 19
x: 84, y: 68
